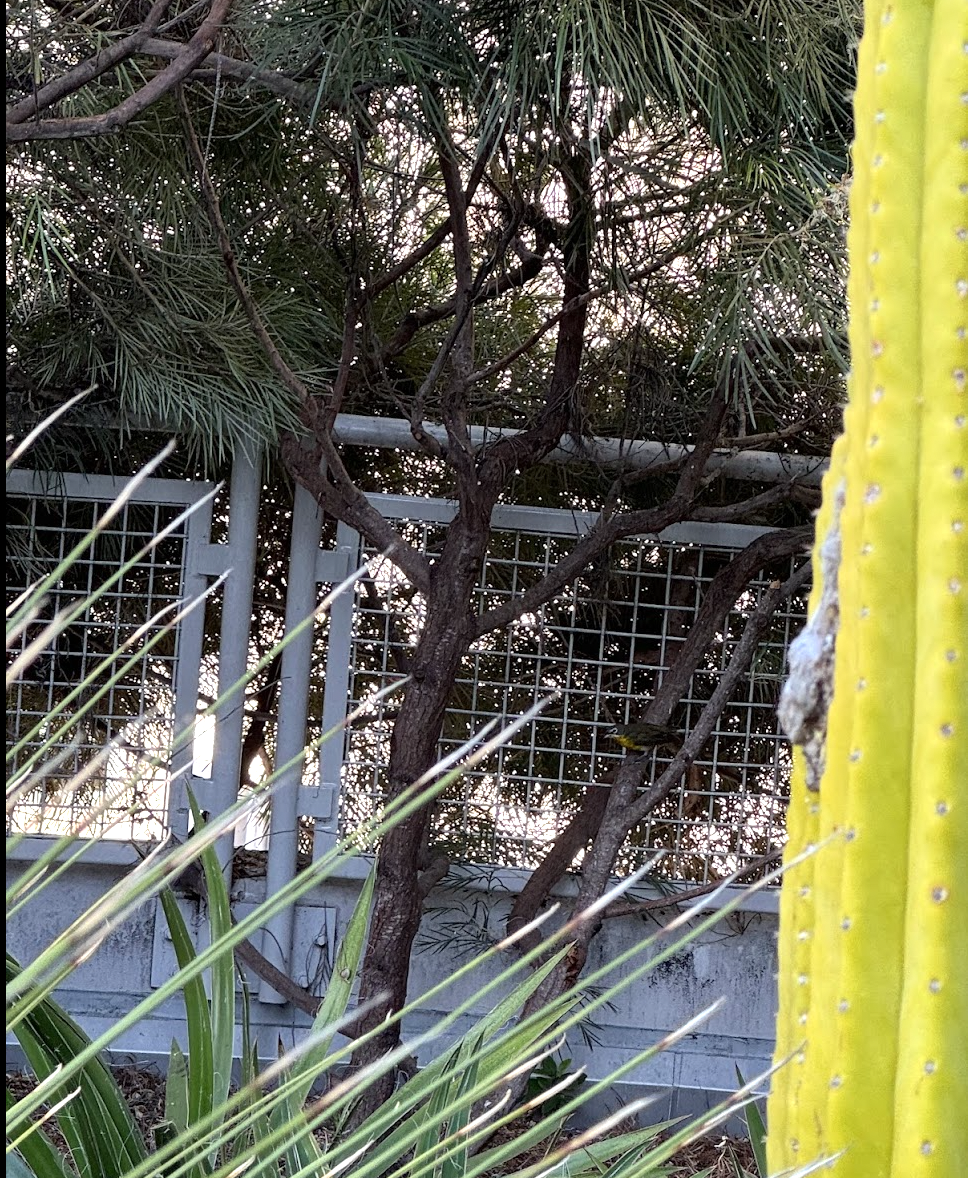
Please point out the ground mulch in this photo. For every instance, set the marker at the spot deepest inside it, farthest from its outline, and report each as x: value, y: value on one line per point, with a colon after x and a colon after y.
x: 714, y: 1156
x: 144, y: 1092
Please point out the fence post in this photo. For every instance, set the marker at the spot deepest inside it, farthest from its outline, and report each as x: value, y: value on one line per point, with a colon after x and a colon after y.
x: 291, y: 730
x: 244, y: 490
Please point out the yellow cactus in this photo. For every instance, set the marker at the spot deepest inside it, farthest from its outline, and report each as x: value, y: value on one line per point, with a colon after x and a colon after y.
x: 873, y: 950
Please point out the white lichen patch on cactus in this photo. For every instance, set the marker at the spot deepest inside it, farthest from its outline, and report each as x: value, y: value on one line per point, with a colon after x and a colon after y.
x: 807, y: 693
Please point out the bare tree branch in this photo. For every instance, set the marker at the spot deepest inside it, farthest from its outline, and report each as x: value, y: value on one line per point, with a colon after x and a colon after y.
x: 347, y: 352
x: 731, y: 512
x: 337, y: 493
x: 282, y: 983
x: 754, y: 441
x: 192, y: 881
x: 624, y: 808
x: 687, y: 896
x: 719, y: 599
x: 461, y: 352
x: 427, y: 247
x: 560, y: 413
x: 86, y: 71
x: 279, y: 83
x: 609, y: 529
x: 690, y: 478
x: 605, y: 533
x: 522, y: 448
x: 560, y: 855
x: 660, y: 263
x: 755, y: 627
x: 413, y: 321
x: 192, y: 54
x: 378, y: 285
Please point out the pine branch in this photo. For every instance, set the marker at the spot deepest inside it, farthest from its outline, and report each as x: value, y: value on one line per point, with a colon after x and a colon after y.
x: 335, y: 490
x: 86, y: 71
x: 192, y: 54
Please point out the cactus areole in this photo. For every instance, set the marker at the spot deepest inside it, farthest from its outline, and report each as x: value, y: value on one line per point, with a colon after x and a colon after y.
x: 873, y: 952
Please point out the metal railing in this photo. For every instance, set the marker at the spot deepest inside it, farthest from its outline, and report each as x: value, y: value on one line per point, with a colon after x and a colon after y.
x: 602, y: 646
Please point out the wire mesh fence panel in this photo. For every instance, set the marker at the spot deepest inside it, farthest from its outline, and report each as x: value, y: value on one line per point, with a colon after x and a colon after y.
x: 95, y: 710
x: 602, y: 647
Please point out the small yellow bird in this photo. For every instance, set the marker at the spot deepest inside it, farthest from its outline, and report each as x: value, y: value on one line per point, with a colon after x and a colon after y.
x: 642, y: 736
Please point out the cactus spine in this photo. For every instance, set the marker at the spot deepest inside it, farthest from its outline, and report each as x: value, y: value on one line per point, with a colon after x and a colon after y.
x: 873, y: 948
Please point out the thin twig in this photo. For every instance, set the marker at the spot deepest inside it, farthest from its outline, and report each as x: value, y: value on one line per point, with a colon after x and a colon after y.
x: 641, y: 907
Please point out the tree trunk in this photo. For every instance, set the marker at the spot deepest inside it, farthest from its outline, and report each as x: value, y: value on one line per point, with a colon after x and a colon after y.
x: 398, y: 896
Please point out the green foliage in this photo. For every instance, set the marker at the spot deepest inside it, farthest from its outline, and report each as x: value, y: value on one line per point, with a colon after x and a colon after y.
x: 714, y: 141
x: 756, y: 1128
x: 101, y: 1134
x: 552, y: 1080
x: 429, y: 1121
x: 439, y: 1122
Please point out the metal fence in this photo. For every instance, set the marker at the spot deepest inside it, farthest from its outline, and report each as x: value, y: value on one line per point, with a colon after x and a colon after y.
x: 601, y: 647
x: 107, y: 771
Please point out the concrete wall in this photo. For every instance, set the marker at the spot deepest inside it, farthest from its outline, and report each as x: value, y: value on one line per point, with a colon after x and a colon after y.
x: 734, y: 961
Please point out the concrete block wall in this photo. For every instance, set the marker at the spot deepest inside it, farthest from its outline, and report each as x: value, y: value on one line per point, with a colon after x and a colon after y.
x: 735, y: 961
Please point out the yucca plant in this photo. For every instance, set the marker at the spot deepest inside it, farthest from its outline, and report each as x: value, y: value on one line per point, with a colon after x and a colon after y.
x: 438, y: 1124
x: 874, y: 928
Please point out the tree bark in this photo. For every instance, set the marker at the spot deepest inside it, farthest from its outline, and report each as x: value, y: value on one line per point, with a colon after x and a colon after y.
x: 398, y: 895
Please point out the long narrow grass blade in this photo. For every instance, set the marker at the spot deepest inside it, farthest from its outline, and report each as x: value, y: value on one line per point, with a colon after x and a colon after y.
x: 40, y: 1158
x: 222, y: 971
x: 41, y: 428
x: 176, y: 1089
x: 339, y: 990
x: 756, y: 1127
x: 201, y: 1068
x: 96, y: 1123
